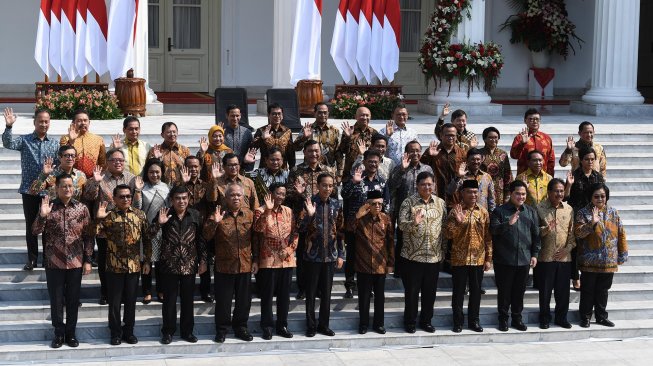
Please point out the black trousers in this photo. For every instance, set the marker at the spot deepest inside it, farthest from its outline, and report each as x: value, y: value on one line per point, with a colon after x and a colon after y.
x: 553, y: 276
x: 122, y: 287
x: 299, y: 271
x: 319, y: 275
x: 594, y: 294
x: 399, y: 260
x: 205, y: 278
x: 31, y: 206
x: 146, y: 281
x: 419, y: 277
x: 102, y: 264
x: 575, y: 273
x: 184, y: 286
x: 367, y: 282
x: 350, y: 240
x: 63, y: 288
x: 226, y: 286
x: 461, y: 277
x: 511, y: 286
x: 273, y: 281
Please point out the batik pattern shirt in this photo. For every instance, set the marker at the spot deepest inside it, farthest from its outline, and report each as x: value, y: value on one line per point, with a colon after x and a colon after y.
x: 324, y: 231
x: 471, y: 242
x: 355, y: 195
x: 397, y: 142
x: 91, y: 152
x: 463, y: 139
x: 46, y: 184
x: 445, y: 165
x: 329, y: 139
x: 96, y: 192
x: 281, y: 138
x: 263, y: 179
x: 219, y: 190
x: 562, y: 236
x: 497, y: 165
x: 208, y: 158
x: 239, y: 140
x: 33, y: 152
x: 198, y: 197
x: 423, y: 243
x: 135, y: 155
x: 182, y: 246
x: 125, y: 230
x: 571, y: 157
x: 67, y: 237
x: 375, y: 244
x: 601, y: 247
x: 172, y: 157
x: 153, y: 198
x: 539, y: 141
x: 578, y: 194
x: 304, y: 172
x: 536, y: 190
x: 386, y: 165
x: 349, y: 147
x: 403, y: 183
x: 232, y: 239
x: 486, y: 189
x: 279, y: 238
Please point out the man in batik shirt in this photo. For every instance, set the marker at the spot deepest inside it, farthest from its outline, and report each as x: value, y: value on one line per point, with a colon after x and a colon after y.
x: 275, y: 134
x: 45, y: 183
x: 171, y: 153
x: 354, y: 138
x: 536, y: 179
x: 328, y: 137
x: 91, y: 151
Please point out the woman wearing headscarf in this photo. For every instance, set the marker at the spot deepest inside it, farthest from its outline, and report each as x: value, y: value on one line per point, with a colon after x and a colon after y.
x: 212, y: 150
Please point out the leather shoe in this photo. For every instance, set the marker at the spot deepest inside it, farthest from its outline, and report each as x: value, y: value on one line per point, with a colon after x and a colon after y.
x: 190, y: 338
x: 325, y: 331
x: 349, y: 294
x: 207, y: 299
x: 244, y: 335
x: 476, y: 327
x: 584, y: 323
x: 362, y: 329
x: 72, y: 341
x: 284, y: 332
x: 544, y: 325
x: 427, y: 328
x: 605, y: 322
x: 28, y: 266
x: 267, y: 334
x: 483, y: 291
x: 103, y: 300
x: 380, y: 329
x: 147, y: 301
x: 564, y: 323
x: 457, y: 328
x: 130, y: 339
x: 310, y: 332
x: 116, y: 341
x: 410, y: 329
x: 519, y: 325
x: 166, y: 339
x: 503, y: 325
x: 300, y: 295
x: 57, y: 342
x: 219, y: 338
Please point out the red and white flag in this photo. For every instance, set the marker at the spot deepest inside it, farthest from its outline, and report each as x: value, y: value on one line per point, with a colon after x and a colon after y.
x: 351, y: 39
x: 338, y: 43
x: 43, y: 37
x: 120, y: 43
x: 54, y: 51
x: 363, y: 47
x: 81, y: 65
x: 68, y: 21
x: 96, y: 36
x: 305, y: 55
x: 391, y: 39
x: 376, y: 57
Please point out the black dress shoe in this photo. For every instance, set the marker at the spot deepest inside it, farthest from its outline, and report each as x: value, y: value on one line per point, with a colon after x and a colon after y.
x: 519, y: 325
x: 115, y: 341
x: 584, y: 323
x: 503, y: 325
x: 349, y: 294
x: 284, y: 332
x: 325, y: 331
x: 207, y: 299
x: 146, y: 301
x: 244, y: 335
x: 410, y: 329
x: 28, y: 266
x: 190, y: 338
x: 130, y: 339
x: 457, y: 328
x: 544, y: 325
x: 605, y: 322
x: 57, y: 342
x: 300, y: 295
x: 362, y: 329
x: 476, y: 327
x: 166, y: 339
x: 310, y: 332
x: 564, y: 324
x: 219, y: 338
x: 427, y: 328
x: 103, y: 300
x: 483, y: 291
x: 380, y: 329
x: 72, y: 341
x: 267, y: 333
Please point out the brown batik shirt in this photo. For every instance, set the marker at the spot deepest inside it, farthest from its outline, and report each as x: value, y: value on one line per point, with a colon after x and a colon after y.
x: 278, y: 243
x: 182, y: 245
x: 374, y: 244
x: 125, y: 230
x: 232, y: 238
x: 471, y: 239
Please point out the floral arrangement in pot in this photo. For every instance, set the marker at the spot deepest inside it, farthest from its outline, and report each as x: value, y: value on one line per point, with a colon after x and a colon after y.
x: 61, y: 104
x: 381, y: 104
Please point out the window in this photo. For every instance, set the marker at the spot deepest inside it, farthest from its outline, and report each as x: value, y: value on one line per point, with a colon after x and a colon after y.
x: 153, y: 24
x: 187, y: 24
x: 411, y: 25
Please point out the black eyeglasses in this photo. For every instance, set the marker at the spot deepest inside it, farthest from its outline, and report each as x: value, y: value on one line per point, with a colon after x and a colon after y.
x: 124, y: 197
x: 69, y: 156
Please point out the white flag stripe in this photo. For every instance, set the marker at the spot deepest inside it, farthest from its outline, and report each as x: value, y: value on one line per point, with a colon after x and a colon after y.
x: 375, y: 49
x: 97, y: 54
x: 351, y: 43
x: 54, y: 52
x: 338, y: 46
x: 305, y: 55
x: 120, y: 42
x: 363, y: 46
x: 67, y: 49
x: 43, y: 38
x: 81, y: 65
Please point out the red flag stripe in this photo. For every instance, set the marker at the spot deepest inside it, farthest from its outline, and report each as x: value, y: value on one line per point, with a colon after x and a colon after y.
x: 82, y: 6
x: 318, y: 4
x: 393, y: 12
x: 98, y: 10
x: 379, y: 10
x: 367, y: 10
x: 56, y: 9
x: 354, y: 7
x: 46, y: 6
x: 135, y: 21
x: 342, y: 8
x: 69, y: 7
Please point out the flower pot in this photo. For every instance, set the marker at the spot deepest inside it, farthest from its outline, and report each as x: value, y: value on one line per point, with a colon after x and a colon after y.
x: 541, y: 59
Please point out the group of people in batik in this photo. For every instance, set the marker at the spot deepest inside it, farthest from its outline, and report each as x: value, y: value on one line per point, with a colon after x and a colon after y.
x: 157, y: 212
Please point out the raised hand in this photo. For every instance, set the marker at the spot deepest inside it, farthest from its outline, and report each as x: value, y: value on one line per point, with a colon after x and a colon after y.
x: 102, y: 210
x: 570, y: 178
x: 269, y: 202
x: 72, y: 132
x: 310, y: 207
x: 48, y: 166
x: 216, y: 170
x: 218, y: 215
x: 434, y: 148
x: 405, y: 161
x: 419, y: 216
x: 97, y: 174
x: 185, y: 174
x: 204, y: 144
x: 458, y: 213
x: 156, y: 151
x: 390, y: 128
x: 361, y: 146
x: 46, y: 207
x: 462, y: 169
x: 514, y: 218
x: 220, y: 123
x: 595, y: 215
x: 347, y: 129
x: 364, y: 210
x: 116, y: 141
x: 473, y: 142
x: 10, y: 117
x: 570, y: 142
x: 163, y: 215
x: 445, y: 110
x: 357, y: 177
x: 266, y: 132
x: 300, y: 186
x: 524, y: 135
x: 138, y: 183
x: 250, y: 157
x: 307, y: 131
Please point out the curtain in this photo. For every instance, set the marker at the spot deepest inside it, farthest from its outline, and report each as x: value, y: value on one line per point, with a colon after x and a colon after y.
x: 187, y: 24
x: 411, y: 27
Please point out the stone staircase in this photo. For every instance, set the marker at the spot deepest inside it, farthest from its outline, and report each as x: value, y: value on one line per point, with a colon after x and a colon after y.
x: 25, y: 330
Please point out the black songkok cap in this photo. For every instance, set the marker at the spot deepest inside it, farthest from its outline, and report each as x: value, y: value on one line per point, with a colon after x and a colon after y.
x: 470, y: 183
x: 374, y: 194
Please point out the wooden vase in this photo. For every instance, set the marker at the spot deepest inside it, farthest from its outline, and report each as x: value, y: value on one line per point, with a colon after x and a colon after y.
x: 309, y: 92
x: 131, y: 96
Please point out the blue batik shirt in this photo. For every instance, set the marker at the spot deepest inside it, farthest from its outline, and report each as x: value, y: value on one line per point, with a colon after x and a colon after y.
x: 33, y: 153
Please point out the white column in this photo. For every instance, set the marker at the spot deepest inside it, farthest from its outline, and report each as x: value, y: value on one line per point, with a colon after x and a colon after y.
x: 614, y: 57
x: 470, y: 31
x: 141, y: 51
x: 284, y: 21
